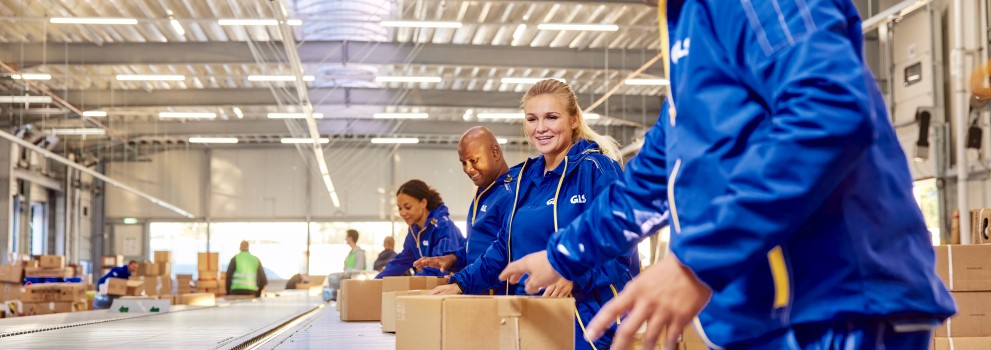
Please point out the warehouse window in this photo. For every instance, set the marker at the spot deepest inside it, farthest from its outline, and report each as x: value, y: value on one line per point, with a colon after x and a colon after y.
x: 328, y: 246
x: 927, y: 196
x: 183, y: 239
x: 279, y: 245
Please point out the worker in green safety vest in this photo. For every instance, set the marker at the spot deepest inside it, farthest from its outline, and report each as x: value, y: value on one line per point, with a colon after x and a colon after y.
x: 245, y: 275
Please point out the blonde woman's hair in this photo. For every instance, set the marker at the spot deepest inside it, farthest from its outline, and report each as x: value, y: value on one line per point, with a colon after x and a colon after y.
x: 554, y: 87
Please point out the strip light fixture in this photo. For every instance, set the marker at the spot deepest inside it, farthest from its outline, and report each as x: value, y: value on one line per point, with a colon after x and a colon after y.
x: 421, y: 24
x: 293, y: 116
x: 502, y: 140
x: 150, y: 77
x: 31, y: 76
x: 409, y: 79
x: 520, y: 80
x: 257, y: 22
x: 388, y: 140
x: 295, y: 140
x: 642, y: 81
x: 94, y: 114
x: 279, y: 78
x: 25, y: 99
x: 188, y: 115
x: 400, y: 116
x: 238, y: 113
x: 78, y: 131
x: 579, y: 27
x: 213, y: 140
x: 500, y: 115
x: 92, y: 20
x: 592, y: 116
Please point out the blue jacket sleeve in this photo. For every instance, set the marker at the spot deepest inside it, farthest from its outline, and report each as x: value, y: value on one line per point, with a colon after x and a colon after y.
x: 451, y: 242
x: 483, y: 273
x: 461, y: 255
x: 402, y: 262
x: 622, y: 214
x: 820, y: 124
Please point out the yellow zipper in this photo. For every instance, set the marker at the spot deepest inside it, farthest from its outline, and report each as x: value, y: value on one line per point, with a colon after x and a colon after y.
x: 779, y: 272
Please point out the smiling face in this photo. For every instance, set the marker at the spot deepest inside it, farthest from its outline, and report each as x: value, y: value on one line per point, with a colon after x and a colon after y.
x: 548, y: 126
x: 412, y: 210
x: 479, y: 160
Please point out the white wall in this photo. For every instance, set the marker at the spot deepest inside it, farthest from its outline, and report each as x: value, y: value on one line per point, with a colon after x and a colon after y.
x: 173, y: 176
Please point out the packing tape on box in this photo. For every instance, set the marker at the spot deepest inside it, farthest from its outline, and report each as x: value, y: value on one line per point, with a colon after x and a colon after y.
x: 949, y: 259
x: 510, y: 311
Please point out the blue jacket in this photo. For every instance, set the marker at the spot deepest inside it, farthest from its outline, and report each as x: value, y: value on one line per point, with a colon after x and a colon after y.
x: 788, y: 193
x: 532, y: 221
x: 440, y: 235
x: 116, y: 272
x: 487, y: 213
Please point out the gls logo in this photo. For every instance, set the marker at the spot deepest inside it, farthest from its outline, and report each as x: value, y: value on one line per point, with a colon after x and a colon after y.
x: 578, y: 198
x: 680, y: 49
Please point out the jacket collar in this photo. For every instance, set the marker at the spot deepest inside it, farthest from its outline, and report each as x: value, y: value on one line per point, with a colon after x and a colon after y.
x: 438, y: 214
x: 578, y: 152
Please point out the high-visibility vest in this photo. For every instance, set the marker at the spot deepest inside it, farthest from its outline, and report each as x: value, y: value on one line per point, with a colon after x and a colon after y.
x: 245, y: 272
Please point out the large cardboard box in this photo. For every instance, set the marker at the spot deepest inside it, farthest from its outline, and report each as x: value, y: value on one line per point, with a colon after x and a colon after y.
x: 964, y: 268
x: 973, y: 316
x: 47, y: 272
x: 207, y: 275
x: 208, y: 261
x: 120, y: 286
x: 54, y: 292
x: 162, y: 256
x: 10, y: 291
x: 389, y: 307
x: 12, y: 273
x: 148, y: 269
x: 361, y: 300
x: 52, y: 261
x: 208, y: 284
x: 112, y: 260
x: 395, y: 284
x: 983, y: 343
x: 53, y: 307
x: 198, y: 299
x: 484, y: 322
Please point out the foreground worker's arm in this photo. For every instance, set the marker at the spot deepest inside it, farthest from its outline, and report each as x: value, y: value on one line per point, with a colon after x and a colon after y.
x: 402, y: 262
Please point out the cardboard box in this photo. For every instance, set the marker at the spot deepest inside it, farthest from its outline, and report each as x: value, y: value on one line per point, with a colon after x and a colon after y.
x: 208, y: 261
x: 165, y: 269
x: 46, y: 308
x: 47, y: 272
x: 389, y: 307
x: 120, y: 286
x: 971, y: 268
x: 162, y: 256
x: 10, y: 291
x: 208, y: 284
x: 112, y: 260
x: 148, y: 269
x: 207, y: 275
x: 964, y: 343
x: 395, y: 284
x: 12, y: 273
x: 60, y: 292
x: 972, y: 318
x: 361, y: 300
x: 52, y: 261
x: 484, y: 322
x: 197, y: 299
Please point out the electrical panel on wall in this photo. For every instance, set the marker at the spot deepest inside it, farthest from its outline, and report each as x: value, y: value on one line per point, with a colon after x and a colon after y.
x: 913, y: 88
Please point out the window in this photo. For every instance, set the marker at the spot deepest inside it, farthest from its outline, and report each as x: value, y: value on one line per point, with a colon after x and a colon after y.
x: 279, y: 245
x: 328, y: 244
x: 927, y: 196
x: 184, y: 239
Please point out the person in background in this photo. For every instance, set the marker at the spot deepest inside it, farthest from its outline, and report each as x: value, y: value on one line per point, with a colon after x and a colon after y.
x: 388, y: 252
x: 245, y: 275
x: 793, y: 224
x: 484, y: 163
x: 431, y: 231
x: 575, y: 165
x: 355, y: 261
x: 103, y: 301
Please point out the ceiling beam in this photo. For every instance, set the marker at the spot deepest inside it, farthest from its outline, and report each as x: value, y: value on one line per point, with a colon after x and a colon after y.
x: 315, y: 52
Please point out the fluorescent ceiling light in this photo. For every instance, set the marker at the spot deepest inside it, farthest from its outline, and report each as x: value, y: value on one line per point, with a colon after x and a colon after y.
x: 304, y: 140
x: 500, y: 115
x: 177, y: 27
x: 238, y: 113
x: 295, y: 22
x: 293, y: 115
x: 582, y: 27
x: 399, y: 79
x: 395, y: 140
x: 150, y: 77
x: 527, y: 80
x: 420, y: 24
x: 32, y: 76
x: 212, y: 140
x: 25, y: 99
x: 78, y: 131
x: 189, y: 115
x: 279, y: 78
x: 94, y: 114
x: 400, y: 116
x: 502, y: 140
x: 248, y: 22
x: 659, y: 82
x: 92, y: 20
x: 130, y: 221
x: 592, y: 116
x: 518, y: 32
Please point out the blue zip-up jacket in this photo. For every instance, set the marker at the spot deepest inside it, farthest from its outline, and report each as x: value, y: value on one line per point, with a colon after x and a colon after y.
x: 789, y: 194
x: 115, y: 272
x: 440, y: 235
x: 532, y: 221
x: 487, y: 213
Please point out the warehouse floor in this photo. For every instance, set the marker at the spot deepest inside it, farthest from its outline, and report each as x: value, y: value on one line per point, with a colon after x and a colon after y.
x: 291, y: 320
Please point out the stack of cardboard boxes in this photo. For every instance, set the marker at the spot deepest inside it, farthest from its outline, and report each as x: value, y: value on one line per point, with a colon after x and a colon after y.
x: 49, y: 298
x: 108, y: 262
x: 123, y: 287
x: 207, y: 280
x: 966, y: 271
x: 156, y: 276
x: 12, y: 280
x: 184, y: 283
x: 49, y: 267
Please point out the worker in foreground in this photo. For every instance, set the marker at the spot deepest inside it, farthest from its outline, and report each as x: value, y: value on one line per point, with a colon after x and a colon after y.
x: 483, y: 161
x: 431, y: 231
x: 245, y: 275
x: 790, y: 200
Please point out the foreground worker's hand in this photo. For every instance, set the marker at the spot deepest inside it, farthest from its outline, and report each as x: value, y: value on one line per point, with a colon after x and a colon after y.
x: 443, y: 262
x: 560, y: 289
x: 446, y: 289
x: 666, y: 296
x: 536, y: 265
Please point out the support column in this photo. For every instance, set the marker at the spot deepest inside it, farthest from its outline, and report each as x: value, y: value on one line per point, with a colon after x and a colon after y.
x: 7, y: 191
x: 98, y: 215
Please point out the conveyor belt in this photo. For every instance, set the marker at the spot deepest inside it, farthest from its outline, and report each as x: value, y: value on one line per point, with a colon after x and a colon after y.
x: 327, y: 331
